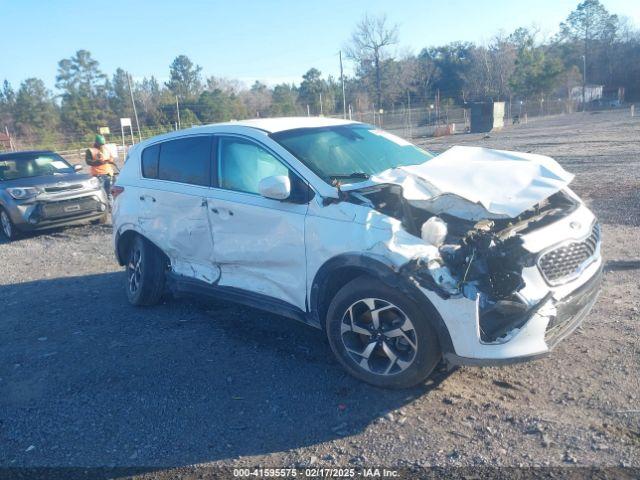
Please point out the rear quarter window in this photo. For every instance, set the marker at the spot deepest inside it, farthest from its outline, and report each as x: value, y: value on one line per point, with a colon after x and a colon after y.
x: 150, y: 157
x: 184, y: 160
x: 187, y: 160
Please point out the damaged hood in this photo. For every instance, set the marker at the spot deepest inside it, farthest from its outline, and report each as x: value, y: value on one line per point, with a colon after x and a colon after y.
x: 503, y: 183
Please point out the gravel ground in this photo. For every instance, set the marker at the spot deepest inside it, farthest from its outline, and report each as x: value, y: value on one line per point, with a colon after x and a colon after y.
x: 87, y: 380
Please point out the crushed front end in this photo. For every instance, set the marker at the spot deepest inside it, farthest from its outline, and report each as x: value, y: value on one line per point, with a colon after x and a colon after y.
x: 507, y: 289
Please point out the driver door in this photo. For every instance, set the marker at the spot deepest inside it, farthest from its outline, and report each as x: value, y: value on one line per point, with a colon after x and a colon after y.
x: 259, y: 242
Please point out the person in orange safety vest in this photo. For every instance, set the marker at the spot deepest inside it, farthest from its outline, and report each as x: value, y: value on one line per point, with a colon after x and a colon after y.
x: 102, y: 164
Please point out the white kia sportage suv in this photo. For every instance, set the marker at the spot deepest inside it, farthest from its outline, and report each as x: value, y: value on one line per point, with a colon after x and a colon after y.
x: 404, y: 258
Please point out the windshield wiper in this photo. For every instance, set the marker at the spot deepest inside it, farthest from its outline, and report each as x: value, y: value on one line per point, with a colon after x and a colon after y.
x: 343, y: 176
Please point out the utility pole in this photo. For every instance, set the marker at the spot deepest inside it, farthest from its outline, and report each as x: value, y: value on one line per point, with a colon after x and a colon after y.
x: 135, y: 111
x: 409, y: 112
x: 344, y: 99
x: 321, y: 113
x: 584, y: 82
x: 178, y: 111
x: 6, y: 129
x: 308, y: 111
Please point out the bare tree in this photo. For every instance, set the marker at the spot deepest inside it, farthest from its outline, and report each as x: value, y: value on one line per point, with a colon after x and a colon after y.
x: 427, y: 70
x: 490, y: 68
x: 503, y: 53
x: 227, y: 85
x: 369, y: 41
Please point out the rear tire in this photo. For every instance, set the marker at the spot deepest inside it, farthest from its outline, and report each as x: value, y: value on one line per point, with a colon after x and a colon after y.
x: 146, y: 272
x: 380, y: 335
x: 7, y: 227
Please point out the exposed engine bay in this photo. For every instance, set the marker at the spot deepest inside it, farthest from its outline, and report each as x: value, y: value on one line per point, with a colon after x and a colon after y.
x: 477, y: 259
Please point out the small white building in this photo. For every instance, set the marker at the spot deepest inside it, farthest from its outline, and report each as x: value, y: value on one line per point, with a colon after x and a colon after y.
x: 591, y: 93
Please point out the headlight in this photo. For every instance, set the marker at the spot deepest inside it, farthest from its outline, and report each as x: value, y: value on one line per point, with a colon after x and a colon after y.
x: 94, y: 182
x: 23, y: 193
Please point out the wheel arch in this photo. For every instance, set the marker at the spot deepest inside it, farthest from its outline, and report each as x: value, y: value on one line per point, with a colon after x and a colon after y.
x: 123, y: 240
x: 341, y: 269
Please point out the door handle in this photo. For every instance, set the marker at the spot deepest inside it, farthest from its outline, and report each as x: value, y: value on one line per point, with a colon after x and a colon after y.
x: 216, y: 211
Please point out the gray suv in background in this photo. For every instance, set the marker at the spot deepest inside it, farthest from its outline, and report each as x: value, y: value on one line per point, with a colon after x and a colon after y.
x: 41, y: 190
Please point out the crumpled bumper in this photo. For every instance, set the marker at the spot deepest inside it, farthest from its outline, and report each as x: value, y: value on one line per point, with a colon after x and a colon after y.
x: 549, y: 322
x: 571, y: 310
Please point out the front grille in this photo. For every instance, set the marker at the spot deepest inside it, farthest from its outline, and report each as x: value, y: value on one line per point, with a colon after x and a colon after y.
x: 63, y: 188
x: 565, y: 262
x: 68, y: 208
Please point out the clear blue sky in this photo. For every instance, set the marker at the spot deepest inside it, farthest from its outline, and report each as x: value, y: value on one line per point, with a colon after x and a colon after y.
x: 274, y: 41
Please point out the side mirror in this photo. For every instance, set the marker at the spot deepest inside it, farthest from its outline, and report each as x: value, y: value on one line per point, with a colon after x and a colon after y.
x: 77, y: 167
x: 277, y: 187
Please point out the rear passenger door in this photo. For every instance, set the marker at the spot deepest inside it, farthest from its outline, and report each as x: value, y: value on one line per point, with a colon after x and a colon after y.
x: 173, y: 203
x: 259, y: 242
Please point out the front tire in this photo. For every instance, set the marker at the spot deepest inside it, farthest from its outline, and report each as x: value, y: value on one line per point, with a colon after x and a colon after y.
x: 146, y: 271
x: 380, y: 335
x: 7, y: 227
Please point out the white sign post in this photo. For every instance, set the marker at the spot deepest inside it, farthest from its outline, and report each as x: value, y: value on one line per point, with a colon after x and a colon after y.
x: 126, y: 122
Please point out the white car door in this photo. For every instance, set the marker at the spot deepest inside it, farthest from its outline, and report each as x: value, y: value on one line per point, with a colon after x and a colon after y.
x: 259, y: 242
x: 173, y: 215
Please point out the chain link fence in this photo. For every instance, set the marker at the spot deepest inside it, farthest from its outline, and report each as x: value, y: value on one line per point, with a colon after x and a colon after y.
x: 431, y: 119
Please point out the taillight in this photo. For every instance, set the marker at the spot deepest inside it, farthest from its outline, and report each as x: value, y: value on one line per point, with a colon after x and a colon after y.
x: 116, y: 190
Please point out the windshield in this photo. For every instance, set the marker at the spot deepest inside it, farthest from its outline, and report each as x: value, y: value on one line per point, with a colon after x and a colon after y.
x: 25, y: 165
x: 349, y: 153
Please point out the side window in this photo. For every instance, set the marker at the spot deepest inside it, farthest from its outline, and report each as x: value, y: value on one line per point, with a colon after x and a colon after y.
x: 186, y: 160
x: 242, y: 164
x: 150, y: 161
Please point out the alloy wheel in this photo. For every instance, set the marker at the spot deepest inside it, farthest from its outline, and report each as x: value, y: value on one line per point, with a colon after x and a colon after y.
x: 379, y: 336
x: 134, y: 270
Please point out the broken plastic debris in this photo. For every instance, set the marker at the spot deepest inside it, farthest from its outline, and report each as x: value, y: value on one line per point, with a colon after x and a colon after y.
x: 442, y: 276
